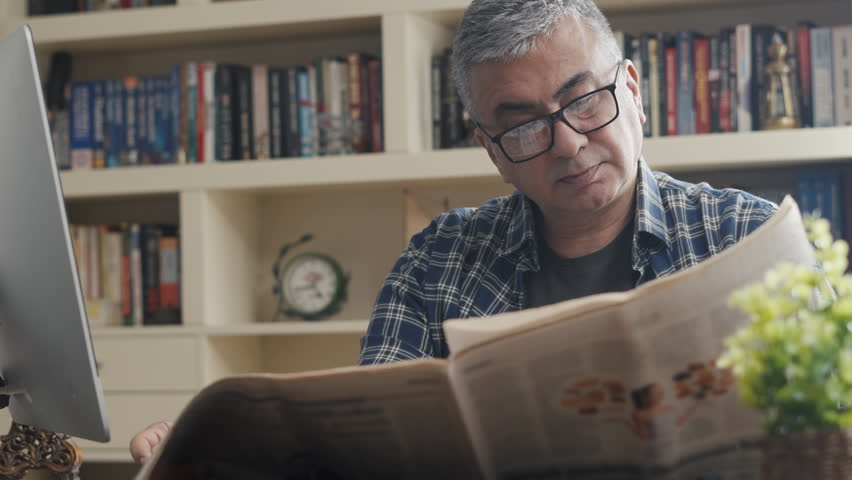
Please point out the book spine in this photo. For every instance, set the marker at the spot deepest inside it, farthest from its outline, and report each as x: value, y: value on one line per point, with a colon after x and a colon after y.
x: 152, y: 90
x: 671, y: 91
x: 191, y: 73
x: 260, y: 110
x: 224, y: 114
x: 142, y: 122
x: 803, y: 40
x: 356, y: 103
x: 312, y: 91
x: 645, y: 84
x: 169, y: 272
x: 150, y: 272
x: 436, y: 101
x: 366, y: 130
x: 175, y: 115
x: 245, y: 136
x: 137, y: 288
x: 714, y: 79
x: 841, y: 65
x: 821, y: 75
x: 374, y: 72
x: 275, y: 118
x: 99, y: 124
x: 744, y: 78
x: 200, y: 115
x: 126, y: 277
x: 94, y: 259
x: 725, y: 83
x: 661, y: 83
x: 82, y: 125
x: 293, y: 139
x: 303, y: 94
x: 210, y: 112
x: 686, y: 84
x: 131, y: 97
x: 701, y: 52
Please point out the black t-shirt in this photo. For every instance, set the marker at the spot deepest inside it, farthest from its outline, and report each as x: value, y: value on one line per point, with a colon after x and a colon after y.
x: 607, y: 270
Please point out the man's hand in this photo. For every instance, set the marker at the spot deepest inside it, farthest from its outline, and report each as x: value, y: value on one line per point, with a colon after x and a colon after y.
x: 144, y: 442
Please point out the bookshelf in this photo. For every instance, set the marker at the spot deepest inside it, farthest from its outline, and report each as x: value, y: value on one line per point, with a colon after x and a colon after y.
x: 234, y: 216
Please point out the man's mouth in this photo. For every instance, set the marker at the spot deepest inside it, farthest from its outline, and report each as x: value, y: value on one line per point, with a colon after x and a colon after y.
x: 582, y: 177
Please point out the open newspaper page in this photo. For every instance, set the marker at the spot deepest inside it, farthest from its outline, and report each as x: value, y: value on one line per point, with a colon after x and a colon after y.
x: 390, y: 421
x: 623, y: 385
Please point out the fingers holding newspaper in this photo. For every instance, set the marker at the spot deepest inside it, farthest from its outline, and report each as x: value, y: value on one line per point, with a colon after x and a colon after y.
x: 144, y: 442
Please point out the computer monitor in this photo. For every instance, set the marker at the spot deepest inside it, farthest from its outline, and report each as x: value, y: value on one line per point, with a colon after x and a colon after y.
x: 46, y: 355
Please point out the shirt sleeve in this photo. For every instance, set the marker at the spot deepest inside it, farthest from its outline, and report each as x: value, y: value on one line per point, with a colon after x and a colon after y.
x: 399, y: 329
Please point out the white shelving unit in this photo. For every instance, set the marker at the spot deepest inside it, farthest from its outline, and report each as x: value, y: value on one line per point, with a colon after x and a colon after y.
x: 234, y: 216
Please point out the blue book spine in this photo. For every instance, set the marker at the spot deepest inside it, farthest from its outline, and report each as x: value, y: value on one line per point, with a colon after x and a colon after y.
x: 110, y: 137
x: 82, y: 125
x: 99, y: 123
x: 174, y: 113
x: 305, y: 113
x: 191, y: 111
x: 805, y: 193
x: 162, y: 120
x: 686, y: 84
x: 130, y: 151
x: 142, y: 121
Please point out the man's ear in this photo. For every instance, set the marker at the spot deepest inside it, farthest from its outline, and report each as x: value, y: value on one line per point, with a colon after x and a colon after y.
x: 493, y: 153
x: 633, y: 85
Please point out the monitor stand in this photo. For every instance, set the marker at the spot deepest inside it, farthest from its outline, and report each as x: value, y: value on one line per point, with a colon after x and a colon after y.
x: 27, y: 448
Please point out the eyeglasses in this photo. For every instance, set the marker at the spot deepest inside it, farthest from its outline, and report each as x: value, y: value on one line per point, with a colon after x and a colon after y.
x: 586, y: 114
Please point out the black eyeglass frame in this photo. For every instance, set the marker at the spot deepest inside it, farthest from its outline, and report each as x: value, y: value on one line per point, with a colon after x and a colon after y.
x: 551, y: 117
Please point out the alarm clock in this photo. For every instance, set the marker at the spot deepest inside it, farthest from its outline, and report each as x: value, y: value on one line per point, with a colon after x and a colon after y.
x: 310, y: 286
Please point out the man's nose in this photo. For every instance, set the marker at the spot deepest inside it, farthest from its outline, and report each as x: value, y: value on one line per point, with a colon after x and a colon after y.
x: 566, y: 141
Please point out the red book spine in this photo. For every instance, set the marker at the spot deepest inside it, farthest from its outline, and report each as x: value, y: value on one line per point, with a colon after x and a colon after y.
x: 169, y: 283
x: 803, y: 50
x: 671, y: 91
x: 701, y: 55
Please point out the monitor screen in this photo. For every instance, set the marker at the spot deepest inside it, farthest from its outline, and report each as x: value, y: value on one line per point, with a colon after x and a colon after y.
x: 46, y: 355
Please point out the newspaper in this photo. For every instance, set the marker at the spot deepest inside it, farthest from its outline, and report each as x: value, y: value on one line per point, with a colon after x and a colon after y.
x: 613, y: 386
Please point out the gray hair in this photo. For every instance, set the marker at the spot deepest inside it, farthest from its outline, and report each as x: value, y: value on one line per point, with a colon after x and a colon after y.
x: 503, y: 30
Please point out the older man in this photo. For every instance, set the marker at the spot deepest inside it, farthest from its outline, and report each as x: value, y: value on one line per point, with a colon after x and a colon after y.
x: 560, y: 114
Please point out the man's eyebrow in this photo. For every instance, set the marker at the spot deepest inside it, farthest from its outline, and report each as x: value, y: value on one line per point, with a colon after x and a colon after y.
x: 572, y: 82
x: 508, y: 107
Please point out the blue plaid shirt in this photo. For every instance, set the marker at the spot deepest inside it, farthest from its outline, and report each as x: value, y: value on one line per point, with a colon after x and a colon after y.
x: 472, y: 262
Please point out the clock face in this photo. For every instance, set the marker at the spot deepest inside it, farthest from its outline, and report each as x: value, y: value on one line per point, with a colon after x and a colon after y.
x: 311, y: 283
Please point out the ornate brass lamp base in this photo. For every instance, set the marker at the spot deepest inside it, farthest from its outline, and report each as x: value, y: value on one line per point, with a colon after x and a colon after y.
x: 27, y: 448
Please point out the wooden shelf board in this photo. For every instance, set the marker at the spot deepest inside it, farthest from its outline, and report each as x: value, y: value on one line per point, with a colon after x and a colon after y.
x: 328, y: 327
x: 218, y: 22
x: 671, y: 154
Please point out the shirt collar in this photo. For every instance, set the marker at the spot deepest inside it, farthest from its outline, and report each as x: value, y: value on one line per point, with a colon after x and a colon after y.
x: 651, y: 225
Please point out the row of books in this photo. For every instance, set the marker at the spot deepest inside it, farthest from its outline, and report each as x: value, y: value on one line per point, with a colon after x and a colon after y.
x: 48, y: 7
x: 206, y: 112
x: 826, y: 192
x: 129, y: 273
x: 694, y: 83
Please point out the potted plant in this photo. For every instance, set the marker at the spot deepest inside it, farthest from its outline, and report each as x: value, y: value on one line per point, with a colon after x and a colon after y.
x: 793, y: 361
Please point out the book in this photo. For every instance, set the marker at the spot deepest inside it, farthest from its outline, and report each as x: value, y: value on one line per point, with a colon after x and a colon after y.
x: 536, y: 393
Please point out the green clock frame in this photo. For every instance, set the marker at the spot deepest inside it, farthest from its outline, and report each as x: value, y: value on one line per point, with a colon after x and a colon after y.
x: 333, y: 307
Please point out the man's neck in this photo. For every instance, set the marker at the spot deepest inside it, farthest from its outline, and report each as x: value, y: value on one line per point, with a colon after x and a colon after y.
x: 571, y: 238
